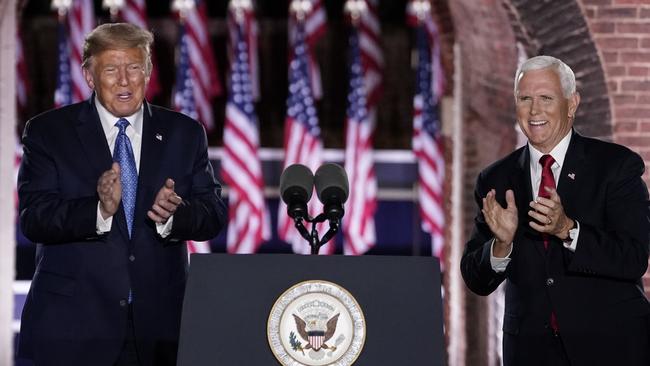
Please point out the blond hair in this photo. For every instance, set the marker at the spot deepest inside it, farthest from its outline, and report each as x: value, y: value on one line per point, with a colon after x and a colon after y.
x: 111, y: 36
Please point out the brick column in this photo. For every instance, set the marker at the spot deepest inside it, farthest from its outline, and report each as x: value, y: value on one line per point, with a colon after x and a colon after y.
x: 621, y: 31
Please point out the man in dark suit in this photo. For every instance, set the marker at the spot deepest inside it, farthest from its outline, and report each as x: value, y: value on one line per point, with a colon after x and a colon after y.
x: 109, y: 189
x: 572, y: 253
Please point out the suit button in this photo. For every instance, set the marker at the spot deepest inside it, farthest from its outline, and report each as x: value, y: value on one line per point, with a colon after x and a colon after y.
x: 123, y: 303
x: 550, y: 281
x: 132, y: 258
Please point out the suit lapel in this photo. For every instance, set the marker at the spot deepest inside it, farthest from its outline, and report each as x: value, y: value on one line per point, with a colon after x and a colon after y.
x: 92, y: 137
x: 153, y: 141
x: 521, y: 183
x: 96, y: 150
x: 572, y: 173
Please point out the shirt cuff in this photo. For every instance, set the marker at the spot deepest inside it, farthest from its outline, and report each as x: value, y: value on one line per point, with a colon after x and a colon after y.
x: 499, y: 265
x: 103, y: 225
x: 573, y: 244
x: 165, y: 229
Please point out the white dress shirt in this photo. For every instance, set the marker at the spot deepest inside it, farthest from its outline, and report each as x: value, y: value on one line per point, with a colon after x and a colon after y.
x: 134, y: 132
x: 558, y: 153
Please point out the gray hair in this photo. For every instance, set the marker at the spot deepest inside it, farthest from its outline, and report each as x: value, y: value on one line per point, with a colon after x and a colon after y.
x: 563, y: 71
x: 110, y: 36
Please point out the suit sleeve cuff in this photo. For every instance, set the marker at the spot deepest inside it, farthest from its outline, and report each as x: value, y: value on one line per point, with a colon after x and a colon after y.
x: 103, y: 225
x: 165, y: 229
x: 499, y: 265
x: 573, y: 244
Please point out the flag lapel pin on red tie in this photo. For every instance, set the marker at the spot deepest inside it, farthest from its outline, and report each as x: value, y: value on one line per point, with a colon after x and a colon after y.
x: 572, y: 176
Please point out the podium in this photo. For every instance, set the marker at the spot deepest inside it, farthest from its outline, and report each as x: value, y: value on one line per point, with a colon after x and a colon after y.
x: 228, y: 300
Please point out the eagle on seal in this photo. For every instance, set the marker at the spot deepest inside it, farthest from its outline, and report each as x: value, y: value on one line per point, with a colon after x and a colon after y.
x: 315, y: 336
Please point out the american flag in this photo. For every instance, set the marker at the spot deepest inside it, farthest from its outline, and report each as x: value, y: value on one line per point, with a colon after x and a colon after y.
x: 22, y: 84
x: 63, y: 91
x: 18, y: 154
x: 197, y: 74
x: 427, y: 140
x: 372, y: 58
x: 22, y: 88
x: 241, y: 169
x: 135, y: 12
x: 359, y: 221
x: 74, y: 24
x: 250, y: 32
x: 198, y: 247
x: 302, y: 140
x: 81, y: 20
x: 184, y: 98
x: 314, y: 25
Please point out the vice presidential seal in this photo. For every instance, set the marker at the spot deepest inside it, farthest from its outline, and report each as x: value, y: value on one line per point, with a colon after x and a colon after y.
x: 316, y: 323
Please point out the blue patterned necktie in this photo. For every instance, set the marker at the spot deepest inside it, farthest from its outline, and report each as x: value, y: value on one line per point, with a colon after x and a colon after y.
x: 123, y: 155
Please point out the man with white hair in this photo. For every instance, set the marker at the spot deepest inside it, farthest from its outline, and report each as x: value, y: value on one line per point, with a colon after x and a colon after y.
x: 565, y: 221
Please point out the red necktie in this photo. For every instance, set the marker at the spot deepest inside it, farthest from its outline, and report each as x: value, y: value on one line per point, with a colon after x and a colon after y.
x: 547, y: 181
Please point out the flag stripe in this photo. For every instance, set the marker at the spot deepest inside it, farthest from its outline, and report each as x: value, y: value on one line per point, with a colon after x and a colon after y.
x: 427, y: 140
x: 248, y: 222
x: 302, y: 142
x: 135, y: 12
x: 359, y: 223
x: 197, y: 81
x: 313, y: 28
x: 81, y: 20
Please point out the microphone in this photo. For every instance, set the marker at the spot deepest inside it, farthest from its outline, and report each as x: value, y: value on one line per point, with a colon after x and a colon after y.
x: 296, y: 187
x: 332, y: 188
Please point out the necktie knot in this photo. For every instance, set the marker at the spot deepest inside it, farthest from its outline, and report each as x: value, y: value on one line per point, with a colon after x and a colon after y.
x: 546, y: 161
x: 122, y: 123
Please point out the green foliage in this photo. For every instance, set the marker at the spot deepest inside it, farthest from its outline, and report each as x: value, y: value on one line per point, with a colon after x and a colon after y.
x: 296, y: 345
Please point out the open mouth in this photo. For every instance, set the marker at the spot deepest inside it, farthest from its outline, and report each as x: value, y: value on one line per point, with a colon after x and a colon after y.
x: 536, y: 123
x: 124, y: 96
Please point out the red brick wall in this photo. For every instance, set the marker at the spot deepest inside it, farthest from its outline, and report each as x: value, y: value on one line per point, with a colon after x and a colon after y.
x: 621, y: 31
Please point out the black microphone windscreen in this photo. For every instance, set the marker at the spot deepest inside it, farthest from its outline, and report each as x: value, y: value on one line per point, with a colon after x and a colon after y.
x: 296, y: 182
x: 331, y: 183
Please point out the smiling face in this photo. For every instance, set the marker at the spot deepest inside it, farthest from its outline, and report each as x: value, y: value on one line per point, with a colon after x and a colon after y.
x: 119, y: 78
x: 544, y: 114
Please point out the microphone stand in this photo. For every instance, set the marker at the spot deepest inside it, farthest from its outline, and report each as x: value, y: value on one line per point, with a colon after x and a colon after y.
x: 312, y: 237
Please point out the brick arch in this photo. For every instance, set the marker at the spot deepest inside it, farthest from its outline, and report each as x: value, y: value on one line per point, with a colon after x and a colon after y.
x: 559, y: 28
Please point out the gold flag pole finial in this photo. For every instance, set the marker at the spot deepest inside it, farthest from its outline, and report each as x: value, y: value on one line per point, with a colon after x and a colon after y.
x: 61, y: 6
x: 183, y: 7
x: 113, y: 6
x: 300, y: 8
x: 240, y: 7
x: 421, y: 9
x: 355, y: 9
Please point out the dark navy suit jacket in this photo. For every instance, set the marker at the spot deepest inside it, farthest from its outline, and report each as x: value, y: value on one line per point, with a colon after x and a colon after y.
x: 76, y: 310
x: 596, y: 291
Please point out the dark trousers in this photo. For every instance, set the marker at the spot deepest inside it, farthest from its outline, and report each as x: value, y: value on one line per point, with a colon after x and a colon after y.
x: 129, y: 354
x: 557, y: 355
x: 548, y: 350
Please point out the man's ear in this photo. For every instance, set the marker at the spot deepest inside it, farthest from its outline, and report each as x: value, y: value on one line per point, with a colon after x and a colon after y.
x: 89, y: 78
x: 574, y: 101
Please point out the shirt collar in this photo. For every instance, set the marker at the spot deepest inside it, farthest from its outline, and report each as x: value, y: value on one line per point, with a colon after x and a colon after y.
x: 558, y: 153
x: 108, y: 120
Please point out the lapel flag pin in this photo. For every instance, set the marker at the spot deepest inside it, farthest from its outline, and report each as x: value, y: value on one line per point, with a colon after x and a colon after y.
x: 572, y: 176
x: 158, y: 137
